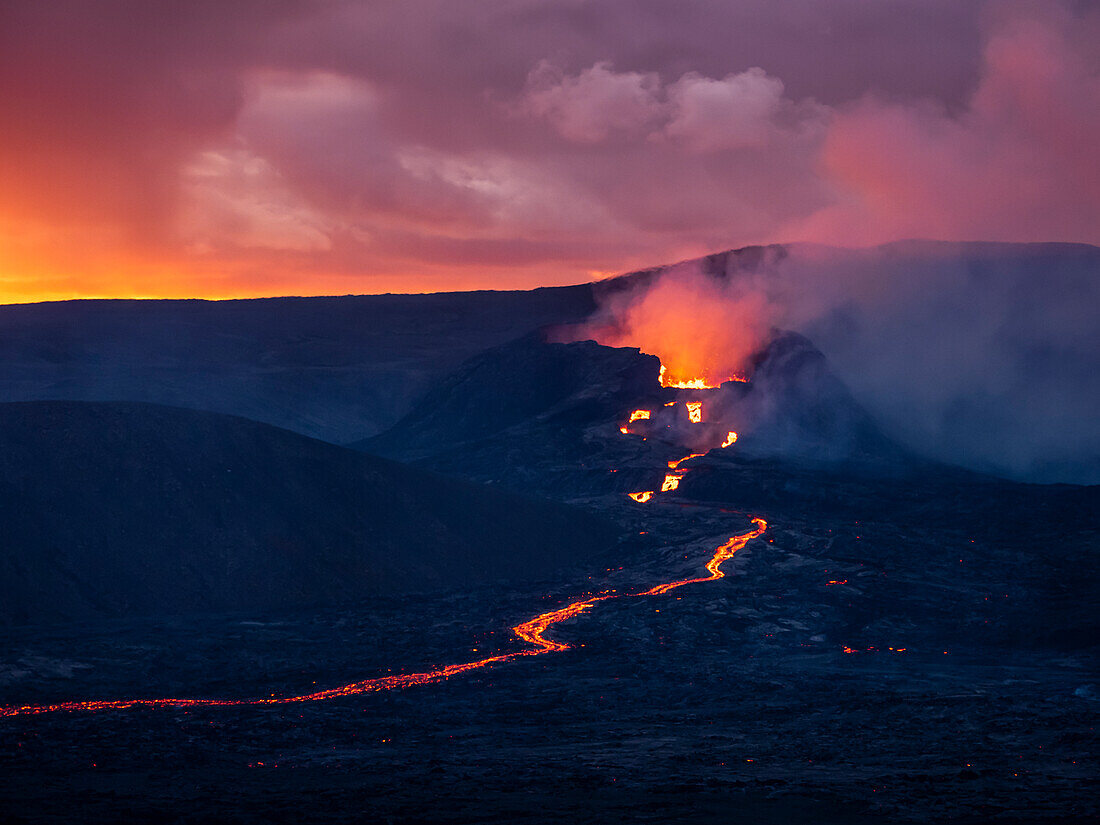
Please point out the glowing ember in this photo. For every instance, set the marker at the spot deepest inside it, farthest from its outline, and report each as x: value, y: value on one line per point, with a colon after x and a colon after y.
x: 836, y: 581
x: 642, y: 497
x: 672, y: 481
x: 695, y: 411
x: 732, y: 437
x: 530, y: 631
x: 638, y: 415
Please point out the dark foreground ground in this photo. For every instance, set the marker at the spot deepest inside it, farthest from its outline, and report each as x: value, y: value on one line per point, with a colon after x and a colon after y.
x: 724, y: 701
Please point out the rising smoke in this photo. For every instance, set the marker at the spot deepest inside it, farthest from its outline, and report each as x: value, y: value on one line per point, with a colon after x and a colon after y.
x: 982, y: 355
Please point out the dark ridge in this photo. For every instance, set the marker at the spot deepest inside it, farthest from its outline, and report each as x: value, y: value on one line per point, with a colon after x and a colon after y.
x: 134, y: 509
x: 337, y: 368
x: 522, y: 383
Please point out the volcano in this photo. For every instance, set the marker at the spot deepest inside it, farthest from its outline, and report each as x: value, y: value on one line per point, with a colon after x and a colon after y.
x: 1007, y: 319
x: 541, y: 584
x: 548, y: 417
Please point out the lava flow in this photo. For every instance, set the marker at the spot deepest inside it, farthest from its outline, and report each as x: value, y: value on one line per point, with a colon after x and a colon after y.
x: 530, y: 631
x: 672, y: 479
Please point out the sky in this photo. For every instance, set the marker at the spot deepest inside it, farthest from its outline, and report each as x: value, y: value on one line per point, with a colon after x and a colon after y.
x: 218, y: 148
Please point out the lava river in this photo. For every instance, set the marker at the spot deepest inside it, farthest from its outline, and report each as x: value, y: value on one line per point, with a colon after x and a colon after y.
x: 532, y: 631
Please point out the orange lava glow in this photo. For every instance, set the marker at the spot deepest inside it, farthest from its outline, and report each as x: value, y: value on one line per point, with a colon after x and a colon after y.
x: 730, y: 439
x: 685, y: 383
x: 671, y: 482
x: 672, y: 465
x: 668, y: 379
x: 714, y: 566
x: 695, y: 411
x: 642, y: 497
x: 638, y: 415
x: 532, y: 632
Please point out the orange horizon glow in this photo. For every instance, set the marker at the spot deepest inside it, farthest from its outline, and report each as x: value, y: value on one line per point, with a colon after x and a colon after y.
x: 139, y: 286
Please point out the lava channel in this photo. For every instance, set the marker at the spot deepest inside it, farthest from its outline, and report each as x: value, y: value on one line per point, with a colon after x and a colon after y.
x: 532, y: 631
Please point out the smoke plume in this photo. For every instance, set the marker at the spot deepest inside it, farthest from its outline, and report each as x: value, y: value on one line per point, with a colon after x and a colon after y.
x: 982, y: 355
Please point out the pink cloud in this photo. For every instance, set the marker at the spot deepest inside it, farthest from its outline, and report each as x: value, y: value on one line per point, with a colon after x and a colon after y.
x: 528, y: 142
x: 1018, y: 163
x: 595, y: 103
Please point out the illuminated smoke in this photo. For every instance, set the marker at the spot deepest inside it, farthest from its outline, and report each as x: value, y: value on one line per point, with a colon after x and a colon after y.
x: 703, y: 330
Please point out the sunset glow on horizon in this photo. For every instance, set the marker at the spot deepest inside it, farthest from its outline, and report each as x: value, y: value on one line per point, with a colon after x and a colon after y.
x: 244, y: 150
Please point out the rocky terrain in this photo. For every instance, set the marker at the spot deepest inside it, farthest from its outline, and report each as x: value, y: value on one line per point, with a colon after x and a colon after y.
x: 773, y: 693
x: 909, y: 641
x: 906, y: 643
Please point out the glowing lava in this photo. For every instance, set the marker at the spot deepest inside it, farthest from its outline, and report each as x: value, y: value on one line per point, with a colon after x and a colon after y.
x: 682, y: 383
x: 668, y: 379
x: 672, y: 465
x: 530, y: 631
x: 672, y: 480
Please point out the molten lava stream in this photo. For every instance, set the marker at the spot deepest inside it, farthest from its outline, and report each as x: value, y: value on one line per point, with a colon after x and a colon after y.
x: 530, y: 631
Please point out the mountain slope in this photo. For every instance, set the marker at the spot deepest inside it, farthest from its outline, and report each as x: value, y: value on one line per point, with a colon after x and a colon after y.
x: 116, y: 509
x: 532, y: 415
